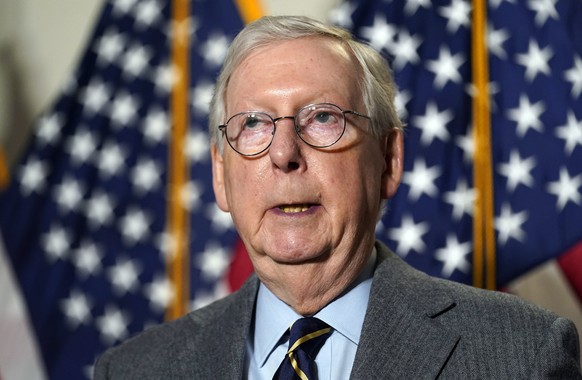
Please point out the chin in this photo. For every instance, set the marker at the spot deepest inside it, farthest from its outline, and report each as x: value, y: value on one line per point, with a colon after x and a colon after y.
x: 297, y: 256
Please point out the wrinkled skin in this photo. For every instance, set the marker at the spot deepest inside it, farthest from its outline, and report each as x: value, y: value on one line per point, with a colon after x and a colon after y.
x: 306, y: 216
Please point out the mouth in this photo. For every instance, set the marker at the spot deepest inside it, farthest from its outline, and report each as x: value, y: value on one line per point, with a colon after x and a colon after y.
x: 294, y: 209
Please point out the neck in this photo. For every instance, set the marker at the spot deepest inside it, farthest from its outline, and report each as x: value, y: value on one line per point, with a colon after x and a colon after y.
x: 309, y: 287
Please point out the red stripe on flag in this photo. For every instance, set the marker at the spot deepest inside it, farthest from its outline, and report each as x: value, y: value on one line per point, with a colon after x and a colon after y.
x: 240, y: 268
x: 571, y: 265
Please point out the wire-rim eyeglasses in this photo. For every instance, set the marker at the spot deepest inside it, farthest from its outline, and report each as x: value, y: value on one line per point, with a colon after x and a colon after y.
x: 319, y: 125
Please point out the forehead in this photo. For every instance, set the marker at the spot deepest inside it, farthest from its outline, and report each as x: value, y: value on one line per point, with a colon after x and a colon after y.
x: 312, y: 69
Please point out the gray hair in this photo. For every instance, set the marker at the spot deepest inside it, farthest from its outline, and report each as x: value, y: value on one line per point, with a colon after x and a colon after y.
x: 378, y: 87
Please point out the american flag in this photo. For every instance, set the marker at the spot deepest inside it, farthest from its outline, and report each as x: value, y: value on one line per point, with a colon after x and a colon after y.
x: 83, y: 220
x: 535, y: 85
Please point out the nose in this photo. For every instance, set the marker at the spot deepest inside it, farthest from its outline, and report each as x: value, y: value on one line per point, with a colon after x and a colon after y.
x: 285, y: 149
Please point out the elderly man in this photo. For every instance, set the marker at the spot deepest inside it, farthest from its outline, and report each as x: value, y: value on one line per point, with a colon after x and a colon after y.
x: 306, y: 148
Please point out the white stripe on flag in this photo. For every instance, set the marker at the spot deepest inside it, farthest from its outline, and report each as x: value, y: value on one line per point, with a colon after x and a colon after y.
x: 19, y: 357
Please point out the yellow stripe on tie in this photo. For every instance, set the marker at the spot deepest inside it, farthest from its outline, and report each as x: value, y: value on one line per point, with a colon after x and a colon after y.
x: 307, y: 337
x: 484, y: 261
x: 295, y: 366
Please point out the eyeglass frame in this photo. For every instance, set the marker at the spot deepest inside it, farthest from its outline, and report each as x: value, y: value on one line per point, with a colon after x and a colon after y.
x: 297, y: 129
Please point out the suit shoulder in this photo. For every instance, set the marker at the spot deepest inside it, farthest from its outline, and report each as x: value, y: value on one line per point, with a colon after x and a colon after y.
x: 141, y: 354
x: 492, y: 303
x: 529, y: 339
x: 170, y: 333
x: 435, y: 295
x: 158, y: 349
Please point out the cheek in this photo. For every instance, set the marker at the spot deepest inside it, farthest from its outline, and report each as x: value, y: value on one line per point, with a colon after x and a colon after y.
x: 343, y: 183
x: 363, y: 179
x: 244, y: 186
x: 232, y: 184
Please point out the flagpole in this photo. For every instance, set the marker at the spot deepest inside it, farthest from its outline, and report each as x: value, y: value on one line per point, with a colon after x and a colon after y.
x: 178, y: 265
x: 249, y: 10
x: 4, y: 172
x: 484, y: 261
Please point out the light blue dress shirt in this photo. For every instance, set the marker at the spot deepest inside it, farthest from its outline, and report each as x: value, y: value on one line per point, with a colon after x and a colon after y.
x: 267, y: 345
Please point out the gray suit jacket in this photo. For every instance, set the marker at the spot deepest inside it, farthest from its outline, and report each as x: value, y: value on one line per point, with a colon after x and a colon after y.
x: 416, y: 327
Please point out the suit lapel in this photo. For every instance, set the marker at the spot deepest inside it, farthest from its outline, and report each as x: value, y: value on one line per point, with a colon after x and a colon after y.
x: 402, y: 336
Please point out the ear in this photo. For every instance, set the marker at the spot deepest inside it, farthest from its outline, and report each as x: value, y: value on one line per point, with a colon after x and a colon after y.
x: 393, y: 156
x: 218, y: 178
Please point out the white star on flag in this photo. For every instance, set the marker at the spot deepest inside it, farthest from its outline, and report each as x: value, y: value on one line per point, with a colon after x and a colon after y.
x: 509, y: 225
x: 517, y: 170
x: 535, y: 60
x: 77, y: 309
x: 527, y: 115
x: 454, y: 256
x: 409, y: 236
x: 421, y: 180
x: 113, y: 325
x: 446, y: 67
x: 566, y: 188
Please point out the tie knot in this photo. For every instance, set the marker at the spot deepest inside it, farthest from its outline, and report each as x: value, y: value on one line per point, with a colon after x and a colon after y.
x: 309, y: 333
x: 306, y: 337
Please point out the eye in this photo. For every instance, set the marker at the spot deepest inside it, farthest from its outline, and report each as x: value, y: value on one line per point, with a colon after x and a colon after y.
x: 322, y: 117
x: 252, y: 121
x: 325, y: 117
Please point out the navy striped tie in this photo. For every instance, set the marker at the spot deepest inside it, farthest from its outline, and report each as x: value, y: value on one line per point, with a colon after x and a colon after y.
x: 306, y: 337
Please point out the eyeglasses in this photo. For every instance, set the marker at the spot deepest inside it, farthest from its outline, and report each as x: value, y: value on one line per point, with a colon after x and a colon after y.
x: 318, y: 125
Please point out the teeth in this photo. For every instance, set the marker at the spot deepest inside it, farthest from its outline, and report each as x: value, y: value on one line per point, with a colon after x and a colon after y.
x: 294, y: 209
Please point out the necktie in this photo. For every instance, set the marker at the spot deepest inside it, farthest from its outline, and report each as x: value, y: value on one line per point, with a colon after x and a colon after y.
x: 306, y: 337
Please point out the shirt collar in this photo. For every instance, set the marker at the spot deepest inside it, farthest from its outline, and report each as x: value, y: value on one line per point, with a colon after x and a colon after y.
x: 272, y: 319
x: 274, y: 316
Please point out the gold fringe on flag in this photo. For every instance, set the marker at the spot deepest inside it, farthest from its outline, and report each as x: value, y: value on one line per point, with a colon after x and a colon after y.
x: 484, y: 262
x: 178, y: 262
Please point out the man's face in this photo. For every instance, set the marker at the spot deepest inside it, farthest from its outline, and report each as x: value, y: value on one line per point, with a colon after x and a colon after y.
x: 295, y: 204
